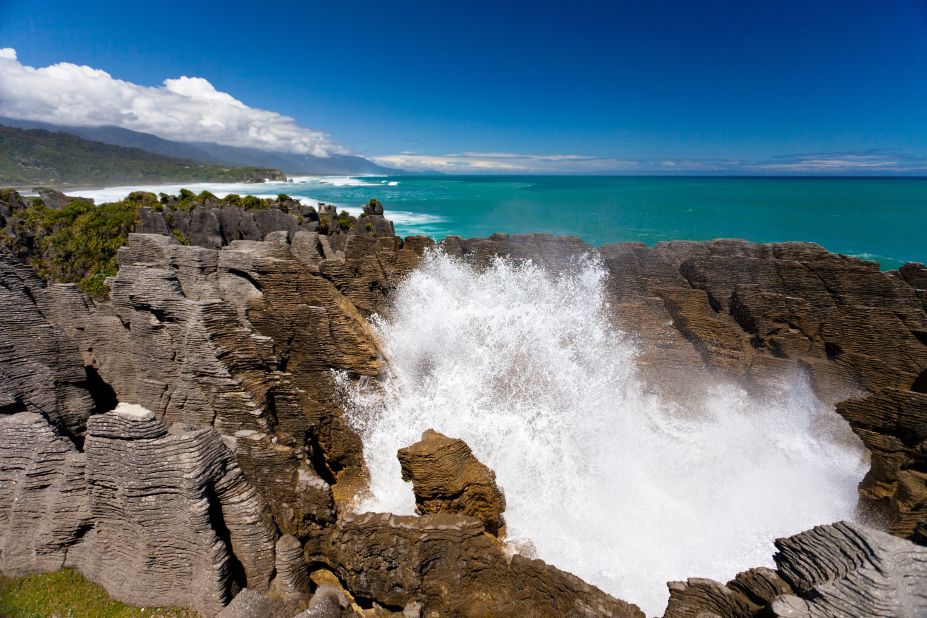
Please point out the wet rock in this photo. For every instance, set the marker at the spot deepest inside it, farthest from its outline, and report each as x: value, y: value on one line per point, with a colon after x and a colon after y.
x: 451, y: 567
x: 447, y: 478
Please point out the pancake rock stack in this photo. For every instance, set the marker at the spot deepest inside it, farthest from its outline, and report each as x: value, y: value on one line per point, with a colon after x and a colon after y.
x: 447, y: 478
x: 184, y: 442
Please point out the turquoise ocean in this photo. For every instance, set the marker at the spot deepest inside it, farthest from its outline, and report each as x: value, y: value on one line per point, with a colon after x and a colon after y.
x: 882, y: 219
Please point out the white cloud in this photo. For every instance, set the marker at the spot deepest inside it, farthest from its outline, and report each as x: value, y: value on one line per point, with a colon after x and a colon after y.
x: 506, y: 162
x: 186, y: 109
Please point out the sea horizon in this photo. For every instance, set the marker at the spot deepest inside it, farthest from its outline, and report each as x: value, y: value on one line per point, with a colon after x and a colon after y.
x: 870, y: 217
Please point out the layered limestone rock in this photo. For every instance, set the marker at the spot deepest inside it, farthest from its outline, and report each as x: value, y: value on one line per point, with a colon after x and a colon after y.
x: 843, y: 569
x: 893, y: 425
x: 445, y: 565
x: 447, y: 478
x: 175, y: 523
x: 44, y: 505
x: 244, y: 339
x: 41, y: 371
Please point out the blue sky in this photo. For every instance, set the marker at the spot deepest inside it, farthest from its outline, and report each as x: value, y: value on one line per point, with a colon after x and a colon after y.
x: 572, y: 86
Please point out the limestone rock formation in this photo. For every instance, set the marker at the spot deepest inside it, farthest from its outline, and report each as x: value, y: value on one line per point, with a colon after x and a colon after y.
x: 168, y: 507
x: 842, y: 569
x: 41, y: 371
x: 44, y: 506
x: 447, y: 478
x: 450, y: 567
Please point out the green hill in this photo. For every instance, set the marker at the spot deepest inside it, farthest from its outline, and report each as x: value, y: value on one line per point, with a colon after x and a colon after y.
x: 39, y: 157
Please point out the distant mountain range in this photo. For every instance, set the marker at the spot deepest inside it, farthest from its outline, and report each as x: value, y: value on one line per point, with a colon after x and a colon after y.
x: 215, y: 154
x: 37, y: 157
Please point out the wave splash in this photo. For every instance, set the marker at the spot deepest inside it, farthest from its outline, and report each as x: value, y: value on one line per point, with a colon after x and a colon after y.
x: 602, y: 478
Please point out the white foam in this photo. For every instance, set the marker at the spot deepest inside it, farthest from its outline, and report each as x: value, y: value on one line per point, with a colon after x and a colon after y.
x: 618, y: 486
x: 347, y: 181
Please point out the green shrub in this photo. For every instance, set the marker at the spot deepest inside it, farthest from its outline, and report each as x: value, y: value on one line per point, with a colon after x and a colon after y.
x: 204, y: 196
x: 143, y: 198
x: 251, y: 202
x: 180, y: 237
x: 344, y: 220
x: 78, y: 243
x: 233, y: 198
x: 282, y: 197
x: 187, y: 194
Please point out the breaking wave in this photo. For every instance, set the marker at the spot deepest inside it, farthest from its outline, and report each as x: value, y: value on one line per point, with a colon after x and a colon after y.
x: 602, y: 477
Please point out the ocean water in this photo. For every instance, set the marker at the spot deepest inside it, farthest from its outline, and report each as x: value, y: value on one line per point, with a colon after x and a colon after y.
x: 882, y: 219
x: 602, y: 477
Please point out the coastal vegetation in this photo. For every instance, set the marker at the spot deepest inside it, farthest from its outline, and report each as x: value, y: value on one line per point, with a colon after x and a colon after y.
x: 36, y: 156
x: 72, y: 240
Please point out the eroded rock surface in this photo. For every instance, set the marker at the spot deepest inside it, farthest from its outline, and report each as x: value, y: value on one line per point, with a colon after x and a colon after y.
x: 44, y: 505
x: 41, y: 371
x: 175, y: 521
x: 843, y: 569
x: 447, y: 478
x: 448, y: 566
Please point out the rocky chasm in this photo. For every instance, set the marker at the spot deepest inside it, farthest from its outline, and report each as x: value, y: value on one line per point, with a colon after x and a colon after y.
x: 210, y: 436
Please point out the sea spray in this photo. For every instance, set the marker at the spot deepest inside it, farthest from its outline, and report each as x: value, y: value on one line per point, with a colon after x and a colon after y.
x: 602, y: 476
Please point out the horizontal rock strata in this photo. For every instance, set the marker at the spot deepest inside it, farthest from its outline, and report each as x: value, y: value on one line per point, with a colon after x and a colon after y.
x: 44, y: 504
x: 168, y: 508
x: 447, y: 478
x: 843, y: 569
x: 447, y: 566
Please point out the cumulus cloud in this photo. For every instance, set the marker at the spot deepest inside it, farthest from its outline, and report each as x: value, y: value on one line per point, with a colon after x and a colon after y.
x: 187, y: 109
x: 506, y: 162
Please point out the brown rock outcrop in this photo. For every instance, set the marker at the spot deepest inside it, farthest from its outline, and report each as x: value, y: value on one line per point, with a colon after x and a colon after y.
x: 448, y: 566
x: 893, y: 425
x: 447, y: 478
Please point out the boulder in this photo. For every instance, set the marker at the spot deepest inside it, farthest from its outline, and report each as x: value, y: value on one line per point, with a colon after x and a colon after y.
x: 251, y: 604
x: 447, y: 478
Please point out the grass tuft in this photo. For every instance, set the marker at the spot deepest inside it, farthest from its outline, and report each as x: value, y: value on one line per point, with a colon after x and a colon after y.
x: 66, y: 594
